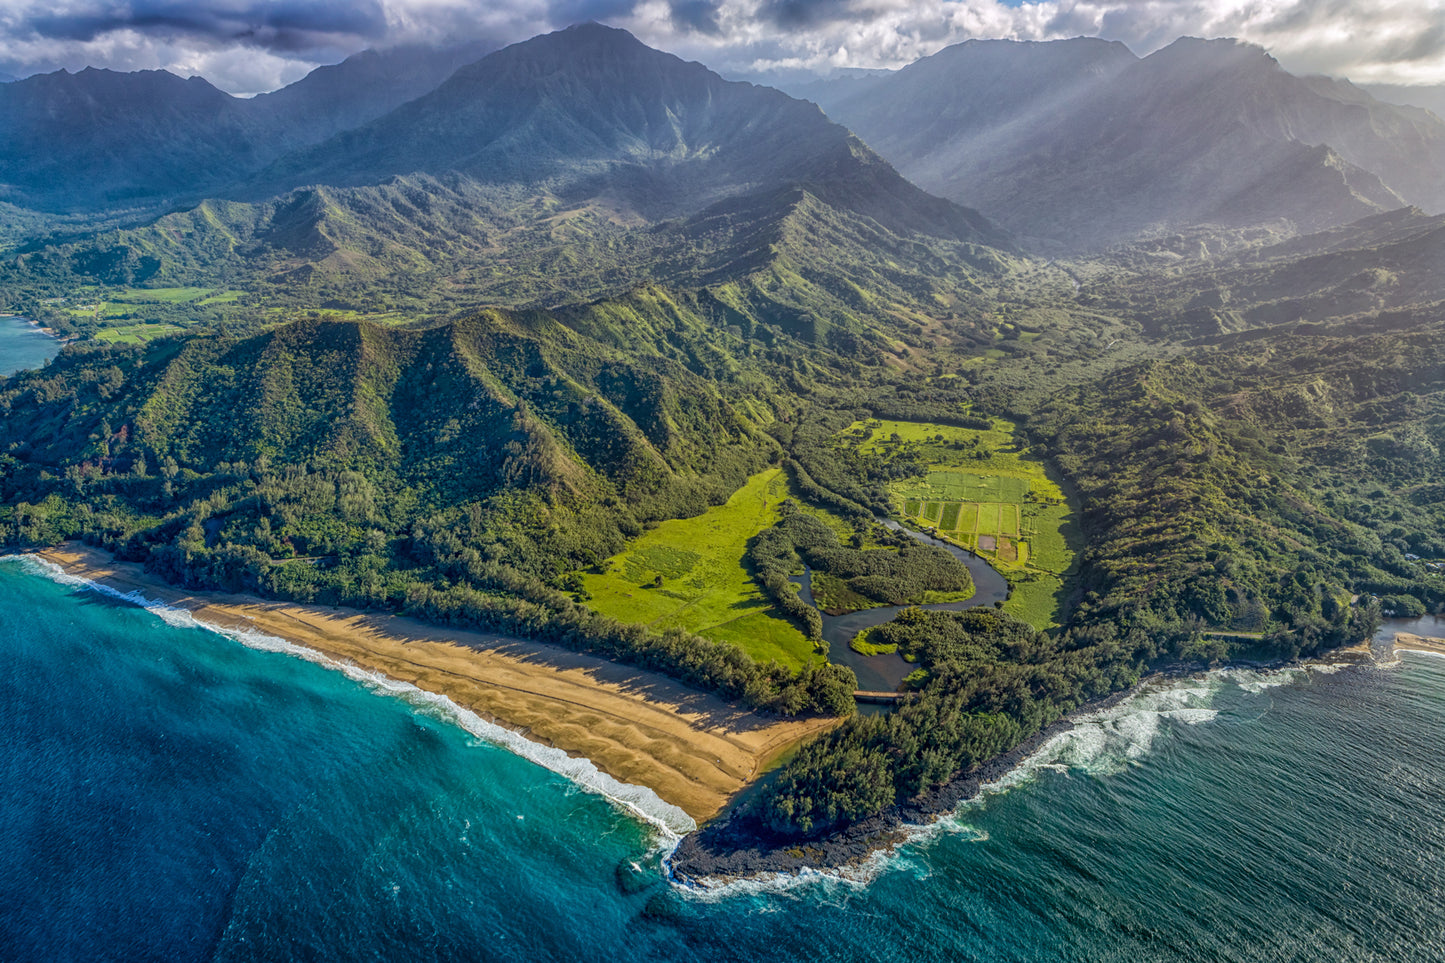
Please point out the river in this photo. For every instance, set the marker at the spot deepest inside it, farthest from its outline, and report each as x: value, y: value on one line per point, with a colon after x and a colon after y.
x: 883, y: 673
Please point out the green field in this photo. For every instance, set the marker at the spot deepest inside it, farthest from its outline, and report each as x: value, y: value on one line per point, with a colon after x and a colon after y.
x: 706, y: 587
x: 982, y: 492
x: 136, y: 333
x: 164, y: 295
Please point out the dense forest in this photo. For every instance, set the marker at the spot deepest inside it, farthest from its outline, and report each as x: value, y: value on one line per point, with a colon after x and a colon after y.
x: 457, y: 392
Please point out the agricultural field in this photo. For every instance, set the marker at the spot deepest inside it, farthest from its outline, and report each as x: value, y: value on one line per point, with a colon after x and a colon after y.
x: 136, y: 333
x: 132, y: 303
x: 705, y: 584
x: 982, y: 491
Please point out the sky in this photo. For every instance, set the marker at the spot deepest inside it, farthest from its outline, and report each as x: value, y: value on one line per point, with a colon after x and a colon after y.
x: 247, y: 46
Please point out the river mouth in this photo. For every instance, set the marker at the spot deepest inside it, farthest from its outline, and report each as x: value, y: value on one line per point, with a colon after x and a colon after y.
x: 884, y: 673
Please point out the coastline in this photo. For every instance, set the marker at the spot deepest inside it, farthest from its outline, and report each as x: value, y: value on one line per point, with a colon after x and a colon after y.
x: 692, y: 750
x: 1409, y: 642
x: 739, y: 846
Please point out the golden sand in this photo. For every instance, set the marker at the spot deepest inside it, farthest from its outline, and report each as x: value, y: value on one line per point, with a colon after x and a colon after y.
x: 1404, y: 640
x: 694, y: 750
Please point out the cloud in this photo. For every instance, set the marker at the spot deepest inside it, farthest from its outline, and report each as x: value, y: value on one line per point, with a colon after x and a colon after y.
x: 250, y: 45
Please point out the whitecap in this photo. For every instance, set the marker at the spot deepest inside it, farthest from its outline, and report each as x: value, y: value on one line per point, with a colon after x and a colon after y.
x: 670, y: 821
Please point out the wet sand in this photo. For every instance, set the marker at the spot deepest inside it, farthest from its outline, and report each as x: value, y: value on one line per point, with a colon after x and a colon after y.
x: 1419, y: 643
x: 694, y: 750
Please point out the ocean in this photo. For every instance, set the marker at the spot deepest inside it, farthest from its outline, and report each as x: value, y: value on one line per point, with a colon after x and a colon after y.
x: 170, y: 793
x: 22, y: 345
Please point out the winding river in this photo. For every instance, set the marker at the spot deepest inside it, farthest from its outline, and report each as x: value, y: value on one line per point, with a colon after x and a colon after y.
x: 883, y: 673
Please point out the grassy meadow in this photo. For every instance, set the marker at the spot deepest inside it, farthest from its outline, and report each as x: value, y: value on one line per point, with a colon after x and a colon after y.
x: 706, y: 587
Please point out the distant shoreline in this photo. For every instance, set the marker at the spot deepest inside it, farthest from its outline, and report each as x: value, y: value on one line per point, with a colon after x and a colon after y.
x: 48, y: 332
x: 694, y: 751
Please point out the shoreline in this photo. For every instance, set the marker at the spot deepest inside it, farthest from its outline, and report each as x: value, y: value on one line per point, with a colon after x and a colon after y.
x: 1409, y: 642
x: 738, y: 846
x: 693, y: 751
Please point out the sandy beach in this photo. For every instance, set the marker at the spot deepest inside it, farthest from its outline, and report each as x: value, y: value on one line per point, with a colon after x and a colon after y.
x: 694, y: 750
x: 1420, y: 643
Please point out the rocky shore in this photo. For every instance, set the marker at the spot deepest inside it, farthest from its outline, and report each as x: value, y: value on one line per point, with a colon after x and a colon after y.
x: 739, y: 845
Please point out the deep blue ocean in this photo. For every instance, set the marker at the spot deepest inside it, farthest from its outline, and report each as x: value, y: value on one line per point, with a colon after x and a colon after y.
x: 167, y: 793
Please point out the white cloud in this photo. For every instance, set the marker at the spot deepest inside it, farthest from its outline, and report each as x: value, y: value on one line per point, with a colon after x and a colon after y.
x: 249, y: 45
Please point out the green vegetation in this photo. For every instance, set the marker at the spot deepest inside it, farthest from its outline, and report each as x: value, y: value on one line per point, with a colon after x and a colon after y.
x: 979, y: 488
x: 863, y: 644
x: 899, y: 572
x: 989, y: 682
x: 1260, y: 488
x: 690, y: 574
x: 488, y: 396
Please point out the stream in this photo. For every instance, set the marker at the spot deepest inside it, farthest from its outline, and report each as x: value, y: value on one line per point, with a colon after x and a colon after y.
x: 883, y: 673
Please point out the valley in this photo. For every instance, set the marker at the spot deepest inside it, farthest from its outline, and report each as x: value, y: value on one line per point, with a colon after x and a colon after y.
x: 584, y: 344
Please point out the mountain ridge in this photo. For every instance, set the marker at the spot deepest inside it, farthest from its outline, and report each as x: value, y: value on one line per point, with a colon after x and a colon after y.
x: 1201, y: 132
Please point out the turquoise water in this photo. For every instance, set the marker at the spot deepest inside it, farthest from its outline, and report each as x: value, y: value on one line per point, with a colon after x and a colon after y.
x: 22, y: 345
x: 171, y: 794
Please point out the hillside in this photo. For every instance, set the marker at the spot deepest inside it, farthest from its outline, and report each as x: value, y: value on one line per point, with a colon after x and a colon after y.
x: 477, y: 358
x: 101, y: 140
x: 1077, y: 143
x: 572, y: 167
x: 1381, y: 271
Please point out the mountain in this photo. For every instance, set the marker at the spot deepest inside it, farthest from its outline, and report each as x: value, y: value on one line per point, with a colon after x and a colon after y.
x: 1381, y: 272
x: 591, y: 112
x: 1421, y: 96
x: 361, y: 88
x: 1079, y: 143
x: 572, y: 167
x: 102, y: 139
x: 99, y: 138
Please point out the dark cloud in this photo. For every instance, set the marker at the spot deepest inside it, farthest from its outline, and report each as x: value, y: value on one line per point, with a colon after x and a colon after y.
x: 793, y: 14
x: 292, y: 26
x: 252, y: 45
x: 563, y: 13
x: 1428, y: 44
x: 698, y: 16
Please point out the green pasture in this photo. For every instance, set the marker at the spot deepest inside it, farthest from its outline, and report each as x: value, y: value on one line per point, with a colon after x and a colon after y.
x: 706, y: 587
x: 136, y: 333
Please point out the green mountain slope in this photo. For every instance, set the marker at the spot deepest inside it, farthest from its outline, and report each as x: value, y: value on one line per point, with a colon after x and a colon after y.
x: 1386, y: 263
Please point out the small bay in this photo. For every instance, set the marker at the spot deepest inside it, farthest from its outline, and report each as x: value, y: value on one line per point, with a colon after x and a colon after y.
x: 23, y: 345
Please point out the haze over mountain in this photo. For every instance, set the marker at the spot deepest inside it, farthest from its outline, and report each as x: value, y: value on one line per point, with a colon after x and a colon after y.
x: 100, y: 138
x: 1425, y: 97
x: 1081, y: 143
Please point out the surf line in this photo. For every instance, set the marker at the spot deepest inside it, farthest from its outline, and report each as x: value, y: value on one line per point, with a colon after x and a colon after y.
x: 669, y: 821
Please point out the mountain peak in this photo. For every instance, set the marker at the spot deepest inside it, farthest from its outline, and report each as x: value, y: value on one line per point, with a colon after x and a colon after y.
x: 1216, y: 55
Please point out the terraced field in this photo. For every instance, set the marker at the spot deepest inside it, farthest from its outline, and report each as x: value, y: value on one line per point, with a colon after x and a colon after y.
x: 985, y: 493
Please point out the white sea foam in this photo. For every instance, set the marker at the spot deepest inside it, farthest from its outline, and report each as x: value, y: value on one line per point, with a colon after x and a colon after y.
x: 670, y: 821
x: 1110, y: 740
x: 838, y: 881
x: 1260, y: 680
